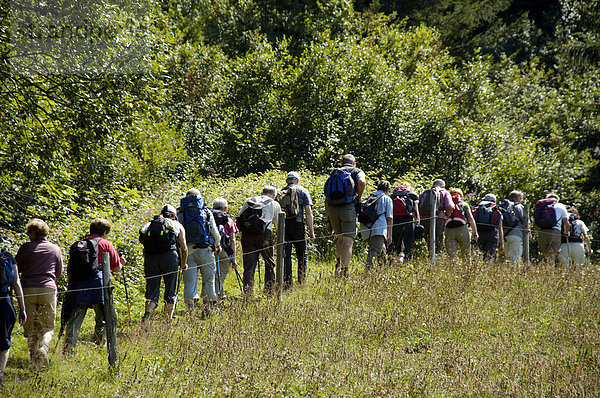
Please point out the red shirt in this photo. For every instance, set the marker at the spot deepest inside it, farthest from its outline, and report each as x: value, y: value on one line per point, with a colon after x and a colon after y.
x: 105, y: 246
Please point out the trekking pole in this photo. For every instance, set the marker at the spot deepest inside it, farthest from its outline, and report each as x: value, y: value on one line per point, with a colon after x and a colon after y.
x: 179, y: 273
x: 220, y: 287
x: 568, y: 253
x: 126, y: 293
x: 239, y: 279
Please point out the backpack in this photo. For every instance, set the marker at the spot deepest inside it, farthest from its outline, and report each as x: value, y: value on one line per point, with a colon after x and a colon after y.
x: 195, y: 218
x: 507, y: 209
x: 425, y: 203
x: 457, y: 217
x: 288, y: 199
x: 544, y: 215
x: 340, y: 187
x: 487, y: 216
x: 7, y: 271
x: 252, y: 219
x: 83, y: 258
x: 403, y: 204
x: 368, y: 210
x: 159, y: 237
x: 221, y: 219
x: 575, y: 233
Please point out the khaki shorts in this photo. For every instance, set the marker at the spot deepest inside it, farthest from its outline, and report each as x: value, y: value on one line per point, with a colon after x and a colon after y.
x: 343, y: 220
x: 40, y: 304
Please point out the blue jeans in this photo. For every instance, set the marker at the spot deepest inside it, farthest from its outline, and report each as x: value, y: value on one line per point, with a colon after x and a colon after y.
x: 203, y: 260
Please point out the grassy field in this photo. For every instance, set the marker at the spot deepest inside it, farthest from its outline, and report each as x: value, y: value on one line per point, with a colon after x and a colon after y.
x: 416, y: 330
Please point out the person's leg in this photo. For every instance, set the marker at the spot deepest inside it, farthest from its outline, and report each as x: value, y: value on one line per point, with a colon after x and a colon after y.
x: 75, y: 319
x: 288, y: 279
x: 563, y: 255
x: 3, y: 361
x: 169, y: 267
x: 408, y: 239
x: 344, y: 253
x: 207, y: 270
x: 397, y: 235
x: 190, y: 280
x: 7, y: 322
x: 30, y: 296
x: 513, y: 248
x: 224, y: 266
x: 267, y: 255
x: 250, y: 261
x: 553, y: 246
x: 298, y: 238
x: 47, y: 319
x: 152, y: 284
x: 451, y: 242
x: 99, y: 323
x: 439, y: 234
x: 463, y: 240
x: 577, y: 253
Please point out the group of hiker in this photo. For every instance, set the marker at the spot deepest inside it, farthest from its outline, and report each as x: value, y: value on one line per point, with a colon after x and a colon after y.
x: 197, y: 241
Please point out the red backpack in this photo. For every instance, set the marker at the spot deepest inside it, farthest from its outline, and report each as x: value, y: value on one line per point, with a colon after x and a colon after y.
x: 457, y: 218
x: 403, y: 204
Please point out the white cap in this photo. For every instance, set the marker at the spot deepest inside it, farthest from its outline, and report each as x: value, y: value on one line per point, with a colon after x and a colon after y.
x: 293, y: 174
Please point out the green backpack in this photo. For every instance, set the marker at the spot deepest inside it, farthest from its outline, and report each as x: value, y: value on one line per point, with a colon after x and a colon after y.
x: 288, y: 200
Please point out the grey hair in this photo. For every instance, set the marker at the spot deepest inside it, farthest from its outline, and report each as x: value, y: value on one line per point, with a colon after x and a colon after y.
x: 192, y: 191
x: 269, y: 190
x: 220, y: 203
x: 439, y: 183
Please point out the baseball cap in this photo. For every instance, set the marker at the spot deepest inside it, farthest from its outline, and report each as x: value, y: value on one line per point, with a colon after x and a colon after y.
x: 293, y: 174
x: 168, y: 209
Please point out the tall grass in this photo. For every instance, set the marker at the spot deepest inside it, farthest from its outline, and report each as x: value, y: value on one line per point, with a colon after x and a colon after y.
x: 451, y: 329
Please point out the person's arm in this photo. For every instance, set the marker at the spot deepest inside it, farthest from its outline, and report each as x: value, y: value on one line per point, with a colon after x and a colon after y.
x: 214, y: 232
x: 362, y: 183
x: 276, y: 210
x: 390, y: 227
x: 329, y: 227
x: 59, y: 263
x: 310, y: 222
x: 183, y: 248
x: 471, y: 220
x: 565, y: 226
x: 19, y: 294
x: 416, y: 215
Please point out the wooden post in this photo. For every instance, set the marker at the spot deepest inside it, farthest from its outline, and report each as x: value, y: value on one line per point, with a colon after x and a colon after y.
x: 280, y: 252
x: 110, y: 316
x: 432, y: 225
x: 526, y: 235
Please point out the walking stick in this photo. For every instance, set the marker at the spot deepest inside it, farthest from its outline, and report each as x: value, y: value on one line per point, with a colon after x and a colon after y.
x: 220, y: 287
x: 126, y: 293
x: 179, y: 272
x: 239, y: 279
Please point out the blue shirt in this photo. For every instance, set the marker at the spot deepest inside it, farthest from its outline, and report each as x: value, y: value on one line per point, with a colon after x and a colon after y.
x: 385, y: 208
x: 303, y: 200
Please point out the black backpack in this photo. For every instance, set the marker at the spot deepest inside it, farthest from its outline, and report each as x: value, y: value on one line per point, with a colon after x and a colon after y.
x: 159, y: 237
x: 221, y: 219
x: 507, y: 209
x: 368, y: 210
x: 83, y: 258
x: 252, y: 219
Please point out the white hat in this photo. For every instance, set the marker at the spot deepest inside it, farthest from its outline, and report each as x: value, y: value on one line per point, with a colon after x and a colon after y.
x: 490, y: 197
x: 293, y: 174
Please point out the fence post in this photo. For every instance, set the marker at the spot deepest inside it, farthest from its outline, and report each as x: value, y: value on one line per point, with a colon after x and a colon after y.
x: 526, y: 235
x: 110, y: 316
x: 280, y: 251
x: 432, y: 225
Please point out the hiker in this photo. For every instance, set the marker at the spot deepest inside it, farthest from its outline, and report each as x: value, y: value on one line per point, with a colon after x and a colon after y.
x: 202, y: 237
x: 489, y: 226
x: 456, y: 230
x: 165, y: 251
x: 445, y: 206
x: 85, y: 282
x: 257, y: 221
x: 406, y: 216
x: 514, y: 220
x: 9, y: 278
x: 574, y: 247
x: 343, y: 195
x: 377, y: 219
x: 295, y: 202
x: 550, y: 219
x: 40, y: 264
x: 227, y: 231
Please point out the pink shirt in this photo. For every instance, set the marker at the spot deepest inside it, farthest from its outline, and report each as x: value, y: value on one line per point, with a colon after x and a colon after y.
x: 230, y: 227
x: 446, y: 205
x: 40, y: 263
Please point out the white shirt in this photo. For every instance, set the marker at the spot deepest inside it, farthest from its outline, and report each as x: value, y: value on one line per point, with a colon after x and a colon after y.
x: 270, y: 211
x: 561, y: 212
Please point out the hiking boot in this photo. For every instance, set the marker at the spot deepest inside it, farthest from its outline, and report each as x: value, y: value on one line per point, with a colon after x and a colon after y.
x: 168, y: 310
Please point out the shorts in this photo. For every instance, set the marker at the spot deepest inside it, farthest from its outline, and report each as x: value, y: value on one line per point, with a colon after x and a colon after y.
x: 343, y: 220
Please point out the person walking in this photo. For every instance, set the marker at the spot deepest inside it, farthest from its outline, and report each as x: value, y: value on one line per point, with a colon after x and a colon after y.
x: 165, y: 251
x: 445, y: 207
x: 343, y: 194
x: 456, y: 230
x: 489, y: 226
x: 9, y: 278
x: 228, y: 231
x: 40, y: 264
x: 574, y: 248
x: 406, y: 216
x: 295, y: 201
x: 377, y: 218
x: 203, y: 240
x: 257, y: 221
x: 514, y: 220
x: 85, y: 287
x: 550, y: 219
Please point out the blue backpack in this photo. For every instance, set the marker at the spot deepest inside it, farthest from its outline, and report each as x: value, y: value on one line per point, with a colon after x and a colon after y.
x: 194, y: 218
x: 7, y: 272
x: 339, y: 187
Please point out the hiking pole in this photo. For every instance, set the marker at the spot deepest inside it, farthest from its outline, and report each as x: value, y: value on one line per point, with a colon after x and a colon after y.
x: 568, y: 253
x: 220, y: 287
x: 239, y: 279
x: 179, y: 277
x: 126, y: 293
